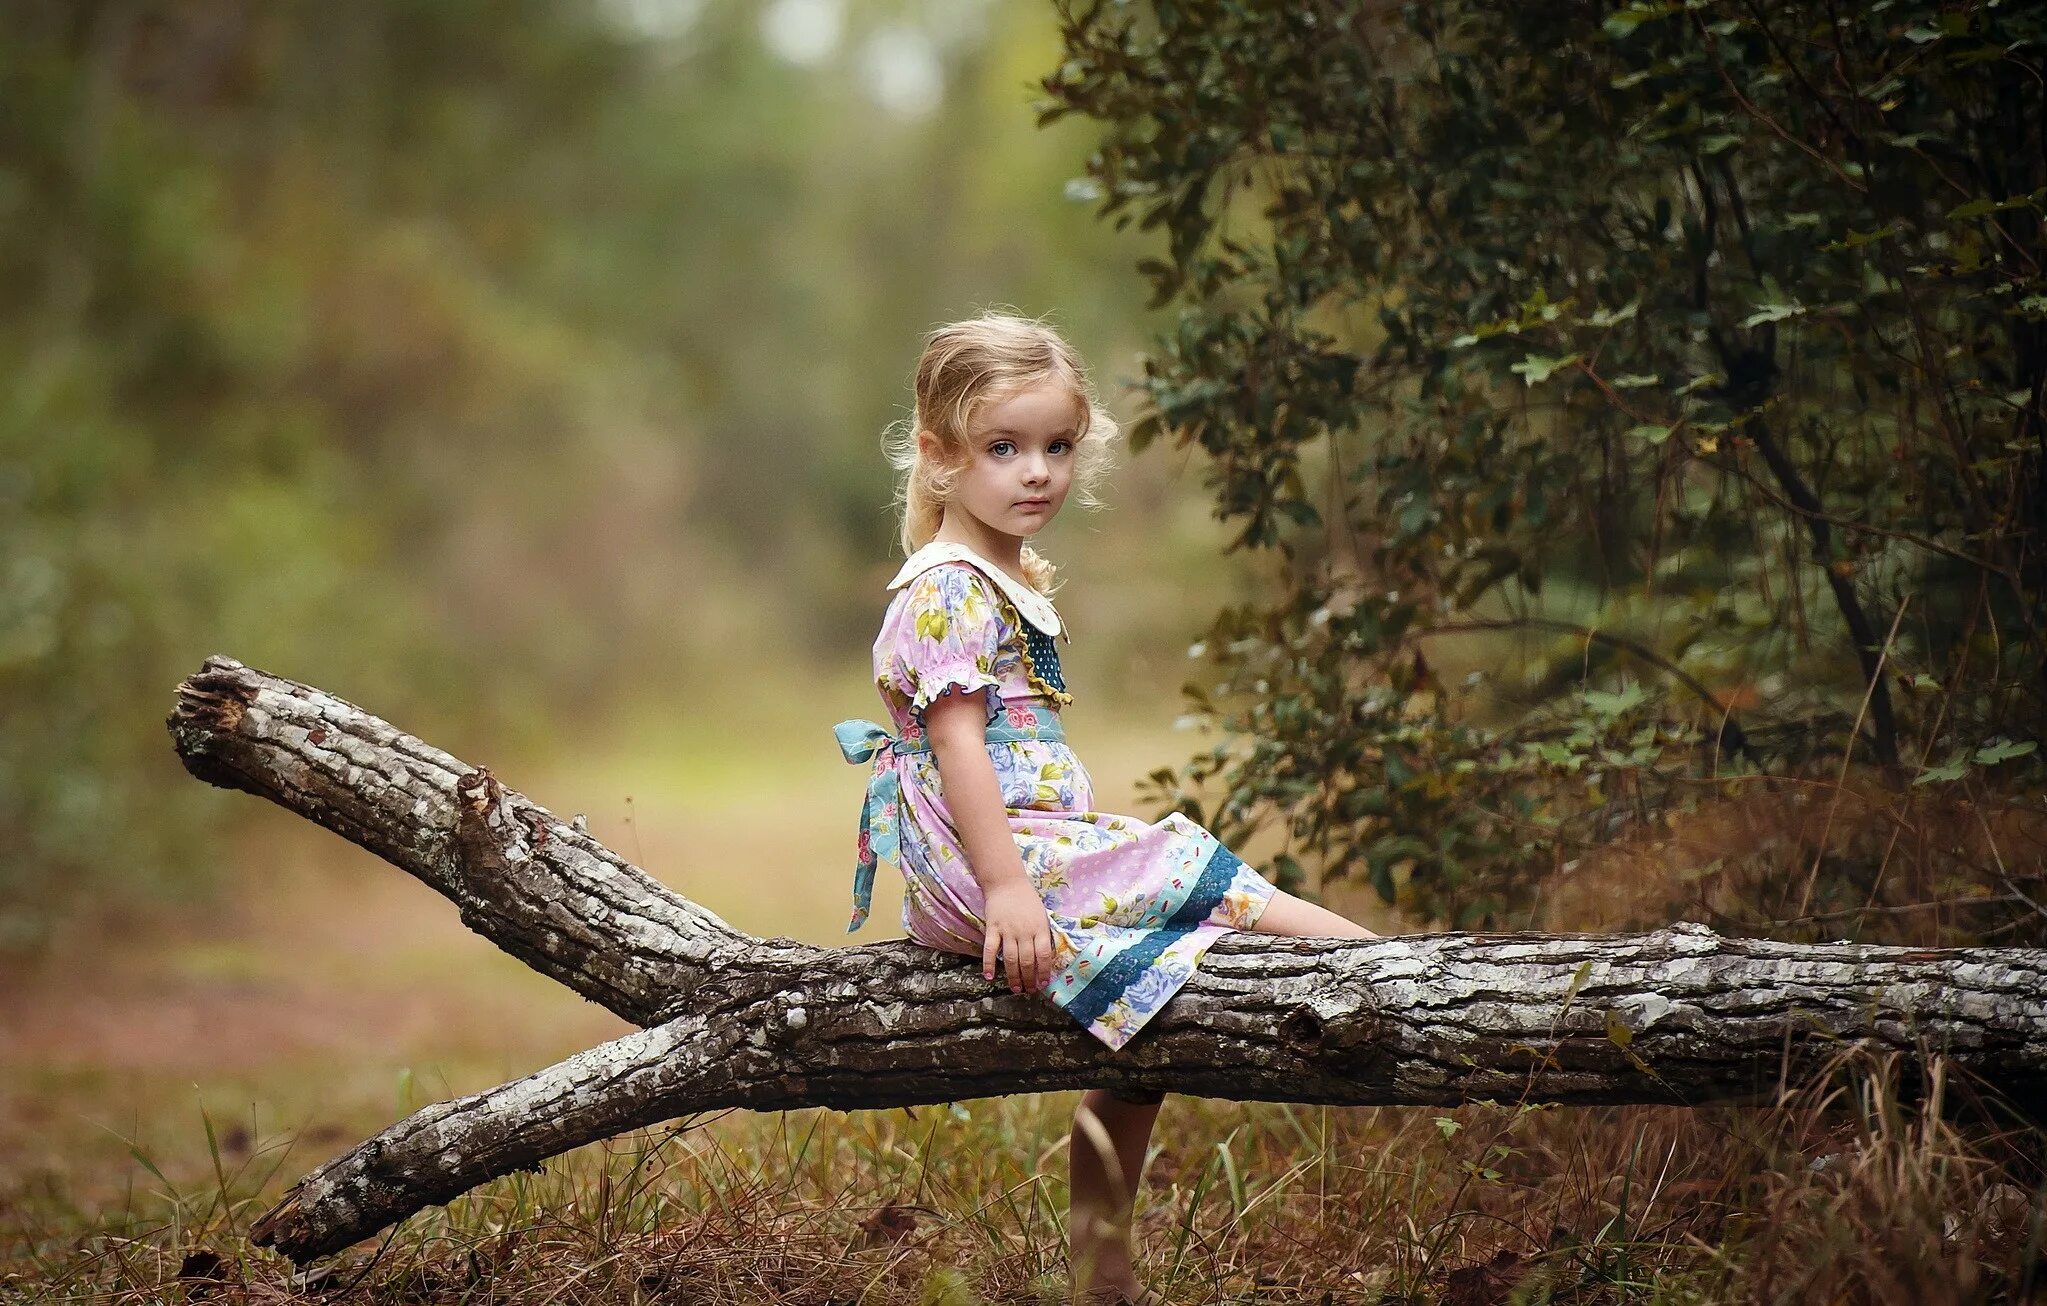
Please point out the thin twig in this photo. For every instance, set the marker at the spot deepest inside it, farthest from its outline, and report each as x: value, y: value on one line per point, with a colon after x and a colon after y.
x: 1848, y: 755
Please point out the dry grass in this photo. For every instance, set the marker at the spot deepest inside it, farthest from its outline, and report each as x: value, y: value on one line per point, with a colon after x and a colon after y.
x: 1800, y: 859
x: 1842, y: 1194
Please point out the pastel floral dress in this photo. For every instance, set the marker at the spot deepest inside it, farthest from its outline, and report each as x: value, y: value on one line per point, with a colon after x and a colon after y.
x: 1134, y: 905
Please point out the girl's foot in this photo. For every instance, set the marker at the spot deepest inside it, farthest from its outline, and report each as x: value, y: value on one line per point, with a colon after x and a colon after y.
x: 1126, y: 1293
x: 1103, y: 1274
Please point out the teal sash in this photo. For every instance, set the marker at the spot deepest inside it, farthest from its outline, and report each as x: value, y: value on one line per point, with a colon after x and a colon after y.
x: 881, y: 810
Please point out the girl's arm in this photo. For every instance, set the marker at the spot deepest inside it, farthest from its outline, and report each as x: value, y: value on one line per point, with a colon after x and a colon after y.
x: 1017, y: 926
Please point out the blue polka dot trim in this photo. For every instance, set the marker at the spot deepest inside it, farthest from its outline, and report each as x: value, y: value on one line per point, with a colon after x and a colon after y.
x: 1044, y: 656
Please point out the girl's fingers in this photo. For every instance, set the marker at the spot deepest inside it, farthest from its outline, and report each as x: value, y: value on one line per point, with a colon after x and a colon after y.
x: 1026, y: 959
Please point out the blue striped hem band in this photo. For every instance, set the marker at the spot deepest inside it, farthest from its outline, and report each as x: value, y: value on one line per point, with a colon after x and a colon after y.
x: 1124, y: 968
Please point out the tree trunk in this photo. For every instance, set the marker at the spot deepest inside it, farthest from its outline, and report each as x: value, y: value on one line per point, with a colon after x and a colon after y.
x: 1676, y: 1016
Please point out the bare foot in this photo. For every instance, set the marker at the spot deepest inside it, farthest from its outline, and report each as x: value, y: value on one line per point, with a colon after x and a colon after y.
x: 1125, y: 1293
x: 1131, y: 1294
x: 1102, y: 1271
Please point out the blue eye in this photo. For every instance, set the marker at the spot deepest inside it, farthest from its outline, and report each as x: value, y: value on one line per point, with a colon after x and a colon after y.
x: 1002, y: 448
x: 1062, y: 446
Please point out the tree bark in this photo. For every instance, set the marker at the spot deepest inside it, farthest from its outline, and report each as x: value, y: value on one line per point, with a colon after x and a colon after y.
x: 1677, y: 1016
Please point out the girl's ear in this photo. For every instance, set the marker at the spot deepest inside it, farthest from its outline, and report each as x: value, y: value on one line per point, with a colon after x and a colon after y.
x: 929, y: 448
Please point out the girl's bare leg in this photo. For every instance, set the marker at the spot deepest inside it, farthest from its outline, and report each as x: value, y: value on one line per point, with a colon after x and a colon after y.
x: 1106, y: 1153
x: 1286, y: 914
x: 1106, y: 1161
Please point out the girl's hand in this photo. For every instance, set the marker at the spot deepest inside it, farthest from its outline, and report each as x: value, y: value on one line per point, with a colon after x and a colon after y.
x: 1020, y: 931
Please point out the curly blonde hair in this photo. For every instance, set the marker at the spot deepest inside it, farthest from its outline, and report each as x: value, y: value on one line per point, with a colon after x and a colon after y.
x: 966, y: 364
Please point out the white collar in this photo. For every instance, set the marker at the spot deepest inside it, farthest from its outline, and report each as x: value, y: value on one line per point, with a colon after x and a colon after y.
x: 1035, y: 607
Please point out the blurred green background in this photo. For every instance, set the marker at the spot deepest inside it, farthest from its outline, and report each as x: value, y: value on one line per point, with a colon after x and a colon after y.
x: 517, y: 371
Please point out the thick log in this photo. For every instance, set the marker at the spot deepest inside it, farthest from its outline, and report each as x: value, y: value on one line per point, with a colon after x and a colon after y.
x: 1677, y: 1016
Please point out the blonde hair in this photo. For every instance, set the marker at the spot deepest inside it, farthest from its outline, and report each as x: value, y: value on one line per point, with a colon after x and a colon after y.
x: 969, y: 363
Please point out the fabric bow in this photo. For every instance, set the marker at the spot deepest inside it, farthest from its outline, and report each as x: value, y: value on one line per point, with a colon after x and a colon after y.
x: 880, y: 814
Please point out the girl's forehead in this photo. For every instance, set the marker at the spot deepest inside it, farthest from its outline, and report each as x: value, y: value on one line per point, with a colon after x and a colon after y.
x: 1043, y: 405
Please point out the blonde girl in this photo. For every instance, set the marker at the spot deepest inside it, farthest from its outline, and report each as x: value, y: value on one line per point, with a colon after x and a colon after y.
x: 976, y: 796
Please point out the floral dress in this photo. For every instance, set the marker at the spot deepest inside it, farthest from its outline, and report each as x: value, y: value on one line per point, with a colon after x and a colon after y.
x: 1134, y: 905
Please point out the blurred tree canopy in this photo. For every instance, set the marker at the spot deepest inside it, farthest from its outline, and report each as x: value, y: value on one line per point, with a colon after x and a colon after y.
x: 1687, y: 355
x: 502, y: 366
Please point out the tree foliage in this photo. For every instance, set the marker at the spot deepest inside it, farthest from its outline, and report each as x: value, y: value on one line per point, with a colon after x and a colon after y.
x: 1693, y: 350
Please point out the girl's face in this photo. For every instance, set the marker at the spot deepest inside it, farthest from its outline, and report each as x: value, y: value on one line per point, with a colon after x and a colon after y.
x: 1020, y: 456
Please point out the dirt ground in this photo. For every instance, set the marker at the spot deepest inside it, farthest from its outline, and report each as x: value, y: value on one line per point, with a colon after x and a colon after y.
x: 313, y: 1005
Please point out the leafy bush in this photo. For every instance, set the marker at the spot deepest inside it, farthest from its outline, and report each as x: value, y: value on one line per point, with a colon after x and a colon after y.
x: 1631, y: 399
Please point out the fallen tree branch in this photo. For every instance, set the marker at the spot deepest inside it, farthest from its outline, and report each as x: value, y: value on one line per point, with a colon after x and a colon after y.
x: 543, y: 891
x: 1677, y: 1016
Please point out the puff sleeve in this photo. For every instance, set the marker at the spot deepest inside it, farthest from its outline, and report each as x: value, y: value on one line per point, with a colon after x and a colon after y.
x: 947, y: 630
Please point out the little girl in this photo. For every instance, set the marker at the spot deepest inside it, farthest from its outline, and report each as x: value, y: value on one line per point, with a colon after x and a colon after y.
x: 976, y: 797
